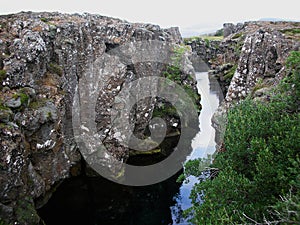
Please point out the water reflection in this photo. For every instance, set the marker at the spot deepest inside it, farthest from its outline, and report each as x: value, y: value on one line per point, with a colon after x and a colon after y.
x: 95, y: 200
x: 98, y: 201
x: 204, y: 142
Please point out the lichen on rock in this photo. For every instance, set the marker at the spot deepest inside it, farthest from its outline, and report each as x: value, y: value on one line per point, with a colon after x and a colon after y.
x: 43, y: 58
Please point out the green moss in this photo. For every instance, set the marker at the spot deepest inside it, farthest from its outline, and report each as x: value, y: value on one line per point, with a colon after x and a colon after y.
x: 291, y: 31
x: 207, y: 43
x: 2, y: 73
x: 164, y: 110
x: 45, y: 20
x: 2, y: 107
x: 149, y: 152
x: 229, y: 74
x: 26, y: 213
x: 54, y: 68
x: 237, y: 35
x: 3, y: 222
x: 193, y: 94
x: 2, y: 76
x: 204, y: 37
x: 23, y: 97
x: 38, y: 103
x: 49, y: 115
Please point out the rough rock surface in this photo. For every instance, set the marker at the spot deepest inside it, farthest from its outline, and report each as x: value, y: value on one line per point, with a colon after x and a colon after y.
x: 250, y: 60
x: 42, y: 58
x: 224, y: 57
x: 261, y: 63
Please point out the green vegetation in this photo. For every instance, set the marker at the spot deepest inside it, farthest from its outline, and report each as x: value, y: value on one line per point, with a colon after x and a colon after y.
x: 2, y: 222
x: 45, y: 20
x: 293, y: 62
x: 166, y: 109
x: 26, y: 213
x: 23, y: 97
x: 56, y: 69
x: 2, y: 76
x: 212, y: 38
x: 219, y: 33
x: 38, y: 103
x: 203, y: 37
x: 255, y: 178
x: 237, y: 35
x: 2, y: 107
x: 174, y: 72
x: 229, y: 74
x: 293, y: 33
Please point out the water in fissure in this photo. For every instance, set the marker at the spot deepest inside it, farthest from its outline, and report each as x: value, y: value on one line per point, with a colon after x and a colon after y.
x: 95, y: 200
x: 203, y: 144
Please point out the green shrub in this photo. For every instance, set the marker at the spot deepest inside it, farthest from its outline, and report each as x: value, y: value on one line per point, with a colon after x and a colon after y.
x: 258, y: 170
x: 293, y: 60
x: 219, y: 33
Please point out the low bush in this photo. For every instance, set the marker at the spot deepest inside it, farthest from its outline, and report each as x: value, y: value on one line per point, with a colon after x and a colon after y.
x: 258, y: 179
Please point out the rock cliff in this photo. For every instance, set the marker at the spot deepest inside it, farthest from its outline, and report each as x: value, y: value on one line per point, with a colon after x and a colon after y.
x: 249, y: 61
x: 258, y: 39
x: 42, y: 58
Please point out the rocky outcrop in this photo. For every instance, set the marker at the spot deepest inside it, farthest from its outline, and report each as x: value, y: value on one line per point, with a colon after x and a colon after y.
x: 43, y: 57
x: 261, y: 64
x: 250, y: 60
x: 223, y: 57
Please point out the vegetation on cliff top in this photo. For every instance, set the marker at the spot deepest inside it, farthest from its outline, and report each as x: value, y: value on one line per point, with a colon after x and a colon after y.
x: 257, y: 179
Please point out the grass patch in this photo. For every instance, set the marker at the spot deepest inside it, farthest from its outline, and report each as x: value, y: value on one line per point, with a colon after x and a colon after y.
x: 203, y: 37
x: 55, y: 68
x: 212, y: 38
x: 291, y: 31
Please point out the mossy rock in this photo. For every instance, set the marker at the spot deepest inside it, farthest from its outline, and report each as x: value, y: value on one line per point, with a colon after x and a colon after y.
x: 149, y: 152
x: 55, y: 68
x: 230, y: 73
x: 26, y: 213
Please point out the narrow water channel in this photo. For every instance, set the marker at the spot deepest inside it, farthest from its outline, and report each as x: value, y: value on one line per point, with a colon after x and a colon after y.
x: 97, y: 201
x: 203, y: 144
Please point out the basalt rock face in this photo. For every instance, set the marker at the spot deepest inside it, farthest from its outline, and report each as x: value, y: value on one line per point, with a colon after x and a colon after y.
x: 43, y: 58
x: 250, y: 60
x: 261, y: 63
x: 273, y: 39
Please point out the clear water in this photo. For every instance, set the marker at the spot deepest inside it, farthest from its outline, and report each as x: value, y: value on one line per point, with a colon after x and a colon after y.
x: 204, y: 142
